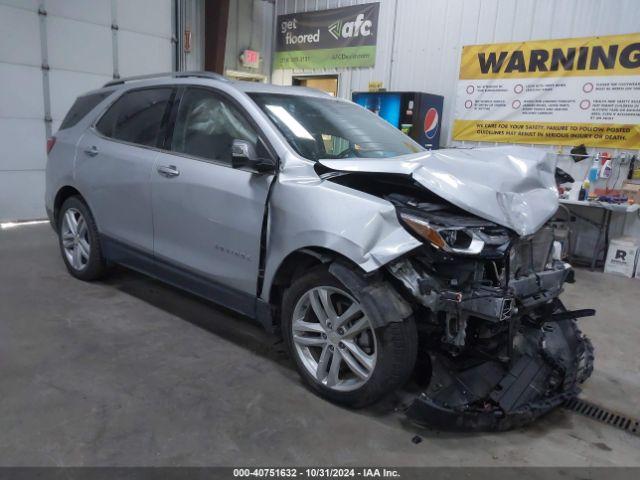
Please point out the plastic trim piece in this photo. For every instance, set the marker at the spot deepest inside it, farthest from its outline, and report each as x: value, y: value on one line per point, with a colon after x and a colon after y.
x: 381, y: 302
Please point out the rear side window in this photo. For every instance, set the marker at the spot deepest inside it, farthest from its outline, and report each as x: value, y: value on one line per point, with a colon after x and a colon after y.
x: 81, y: 107
x: 137, y: 116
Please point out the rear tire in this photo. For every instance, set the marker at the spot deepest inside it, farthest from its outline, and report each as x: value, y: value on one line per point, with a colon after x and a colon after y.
x: 385, y: 356
x: 79, y: 240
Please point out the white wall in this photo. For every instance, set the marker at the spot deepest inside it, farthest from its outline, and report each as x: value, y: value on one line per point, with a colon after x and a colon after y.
x: 79, y: 46
x: 22, y: 128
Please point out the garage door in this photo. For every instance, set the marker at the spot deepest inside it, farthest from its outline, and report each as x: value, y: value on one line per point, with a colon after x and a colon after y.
x: 76, y: 40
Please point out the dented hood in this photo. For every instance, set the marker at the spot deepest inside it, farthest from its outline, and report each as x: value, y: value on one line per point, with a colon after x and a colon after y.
x: 511, y: 186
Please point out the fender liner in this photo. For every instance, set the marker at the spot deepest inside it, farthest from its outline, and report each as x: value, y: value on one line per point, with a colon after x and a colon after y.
x: 381, y: 302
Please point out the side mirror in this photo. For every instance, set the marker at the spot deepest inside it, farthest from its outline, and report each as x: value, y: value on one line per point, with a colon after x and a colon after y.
x: 244, y: 155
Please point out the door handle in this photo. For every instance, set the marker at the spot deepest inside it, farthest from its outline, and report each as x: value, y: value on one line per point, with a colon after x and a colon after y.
x: 168, y: 171
x: 91, y: 151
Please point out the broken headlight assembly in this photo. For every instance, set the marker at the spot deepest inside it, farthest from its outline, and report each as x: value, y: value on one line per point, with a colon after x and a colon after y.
x: 453, y: 239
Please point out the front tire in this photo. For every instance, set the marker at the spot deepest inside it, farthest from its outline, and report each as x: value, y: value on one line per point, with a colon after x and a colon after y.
x: 336, y: 349
x: 79, y: 240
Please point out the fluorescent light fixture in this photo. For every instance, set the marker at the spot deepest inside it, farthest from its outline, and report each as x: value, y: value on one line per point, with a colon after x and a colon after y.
x: 7, y: 225
x: 292, y: 124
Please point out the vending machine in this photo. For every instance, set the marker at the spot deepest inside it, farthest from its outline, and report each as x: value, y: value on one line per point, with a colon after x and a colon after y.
x: 417, y: 114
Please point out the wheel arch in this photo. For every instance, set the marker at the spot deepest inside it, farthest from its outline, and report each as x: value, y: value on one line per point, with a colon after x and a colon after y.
x: 298, y: 262
x: 384, y: 303
x: 61, y: 195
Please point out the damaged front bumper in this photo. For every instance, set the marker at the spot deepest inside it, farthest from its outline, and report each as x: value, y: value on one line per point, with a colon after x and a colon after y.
x: 497, y: 358
x: 500, y: 394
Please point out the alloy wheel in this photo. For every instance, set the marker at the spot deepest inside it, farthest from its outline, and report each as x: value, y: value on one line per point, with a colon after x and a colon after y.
x: 75, y: 239
x: 333, y: 338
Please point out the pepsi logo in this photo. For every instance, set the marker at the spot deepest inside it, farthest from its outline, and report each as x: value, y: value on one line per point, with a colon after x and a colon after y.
x: 431, y: 123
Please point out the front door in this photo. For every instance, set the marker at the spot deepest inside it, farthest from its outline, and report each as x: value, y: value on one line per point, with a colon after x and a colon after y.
x: 207, y: 215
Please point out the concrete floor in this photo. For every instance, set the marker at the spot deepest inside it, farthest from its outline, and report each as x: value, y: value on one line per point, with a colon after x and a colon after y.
x: 131, y: 372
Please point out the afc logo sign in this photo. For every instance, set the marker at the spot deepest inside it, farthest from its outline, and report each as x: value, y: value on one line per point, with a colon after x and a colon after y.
x: 358, y: 27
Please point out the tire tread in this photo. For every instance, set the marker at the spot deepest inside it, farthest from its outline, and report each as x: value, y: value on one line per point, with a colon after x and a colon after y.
x: 97, y: 266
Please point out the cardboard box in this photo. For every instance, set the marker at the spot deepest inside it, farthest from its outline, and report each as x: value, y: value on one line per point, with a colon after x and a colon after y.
x: 631, y: 190
x: 622, y: 256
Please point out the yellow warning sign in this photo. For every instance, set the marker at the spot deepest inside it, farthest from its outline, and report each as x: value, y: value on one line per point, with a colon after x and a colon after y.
x: 615, y: 136
x: 557, y: 92
x: 590, y: 56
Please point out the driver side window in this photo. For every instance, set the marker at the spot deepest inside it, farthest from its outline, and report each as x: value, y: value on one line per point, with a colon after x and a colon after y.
x: 206, y: 126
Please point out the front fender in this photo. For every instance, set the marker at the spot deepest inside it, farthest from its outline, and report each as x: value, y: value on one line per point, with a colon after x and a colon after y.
x: 307, y: 212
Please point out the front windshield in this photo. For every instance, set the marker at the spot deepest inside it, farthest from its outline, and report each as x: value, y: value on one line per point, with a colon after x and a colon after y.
x: 327, y: 128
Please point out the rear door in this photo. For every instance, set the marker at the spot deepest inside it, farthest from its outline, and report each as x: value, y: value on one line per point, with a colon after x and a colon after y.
x: 207, y: 215
x: 115, y: 162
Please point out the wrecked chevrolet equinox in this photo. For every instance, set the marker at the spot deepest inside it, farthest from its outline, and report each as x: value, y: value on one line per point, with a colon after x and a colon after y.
x: 376, y: 260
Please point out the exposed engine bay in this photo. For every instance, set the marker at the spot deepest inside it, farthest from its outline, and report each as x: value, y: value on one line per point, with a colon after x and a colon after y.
x: 497, y: 348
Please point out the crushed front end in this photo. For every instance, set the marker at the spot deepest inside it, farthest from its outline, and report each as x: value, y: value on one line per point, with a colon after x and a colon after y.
x: 497, y: 348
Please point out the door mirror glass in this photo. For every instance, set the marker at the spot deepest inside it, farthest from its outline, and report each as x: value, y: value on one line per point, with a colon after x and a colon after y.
x: 245, y: 155
x: 241, y: 150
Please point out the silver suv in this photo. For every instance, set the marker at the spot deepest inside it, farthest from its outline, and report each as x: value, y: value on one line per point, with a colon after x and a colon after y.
x: 373, y: 258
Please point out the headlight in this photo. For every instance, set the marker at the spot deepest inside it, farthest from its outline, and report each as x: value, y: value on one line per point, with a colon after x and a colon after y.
x: 450, y: 239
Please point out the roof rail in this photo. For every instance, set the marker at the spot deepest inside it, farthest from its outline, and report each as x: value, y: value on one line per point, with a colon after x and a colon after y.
x: 202, y: 74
